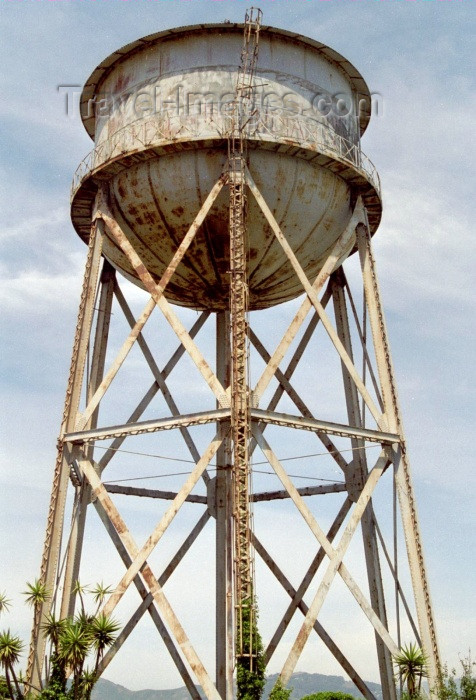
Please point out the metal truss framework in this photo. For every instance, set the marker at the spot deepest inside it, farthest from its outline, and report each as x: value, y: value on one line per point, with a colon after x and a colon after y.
x: 80, y: 431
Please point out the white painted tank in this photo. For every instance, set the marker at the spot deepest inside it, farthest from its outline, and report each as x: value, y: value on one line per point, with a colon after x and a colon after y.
x: 158, y: 111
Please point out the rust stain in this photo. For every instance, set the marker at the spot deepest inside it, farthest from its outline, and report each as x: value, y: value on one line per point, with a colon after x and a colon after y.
x: 132, y: 210
x: 149, y: 218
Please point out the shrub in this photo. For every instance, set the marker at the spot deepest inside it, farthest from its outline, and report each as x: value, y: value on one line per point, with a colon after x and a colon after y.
x: 463, y: 689
x: 71, y: 642
x: 250, y: 676
x: 279, y: 692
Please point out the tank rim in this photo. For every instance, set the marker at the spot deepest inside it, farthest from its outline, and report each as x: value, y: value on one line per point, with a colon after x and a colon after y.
x: 103, y: 69
x: 84, y: 193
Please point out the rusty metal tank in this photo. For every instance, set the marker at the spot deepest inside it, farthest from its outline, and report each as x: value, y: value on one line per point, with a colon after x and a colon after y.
x: 158, y: 111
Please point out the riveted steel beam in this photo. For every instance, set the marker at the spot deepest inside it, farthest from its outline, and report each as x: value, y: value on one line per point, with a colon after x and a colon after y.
x: 322, y: 539
x: 152, y: 493
x: 149, y: 426
x: 303, y: 491
x: 313, y: 290
x: 300, y: 605
x: 355, y: 479
x: 154, y: 587
x: 403, y: 479
x: 152, y: 391
x: 303, y: 423
x: 313, y: 295
x: 83, y: 494
x: 54, y: 526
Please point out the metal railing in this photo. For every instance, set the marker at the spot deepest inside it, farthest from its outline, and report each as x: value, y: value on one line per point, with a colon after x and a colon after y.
x: 165, y: 128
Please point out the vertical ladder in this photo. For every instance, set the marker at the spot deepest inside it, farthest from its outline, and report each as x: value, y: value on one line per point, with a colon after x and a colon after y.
x: 240, y: 397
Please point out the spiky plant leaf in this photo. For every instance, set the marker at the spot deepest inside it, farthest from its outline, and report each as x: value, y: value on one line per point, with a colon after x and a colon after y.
x: 36, y: 593
x: 5, y: 603
x: 411, y: 664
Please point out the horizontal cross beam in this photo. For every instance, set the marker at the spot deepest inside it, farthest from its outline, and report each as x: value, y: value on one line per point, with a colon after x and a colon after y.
x: 201, y: 418
x: 305, y: 491
x: 303, y: 423
x: 150, y: 426
x: 152, y: 493
x: 193, y: 498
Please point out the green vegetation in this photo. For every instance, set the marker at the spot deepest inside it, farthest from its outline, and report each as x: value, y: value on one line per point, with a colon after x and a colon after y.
x: 5, y: 603
x: 84, y: 638
x: 11, y: 648
x: 72, y: 642
x: 410, y: 663
x: 279, y: 692
x: 36, y: 593
x: 463, y: 689
x: 4, y: 694
x: 250, y: 667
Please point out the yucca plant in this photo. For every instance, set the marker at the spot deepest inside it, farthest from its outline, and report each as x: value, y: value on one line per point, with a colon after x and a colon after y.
x: 36, y: 593
x: 103, y: 633
x: 5, y: 603
x: 53, y: 627
x: 99, y: 594
x: 74, y: 645
x: 72, y: 641
x: 411, y: 664
x: 87, y: 683
x: 80, y: 590
x: 11, y: 648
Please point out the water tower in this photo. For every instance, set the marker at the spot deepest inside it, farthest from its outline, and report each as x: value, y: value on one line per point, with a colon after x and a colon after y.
x: 227, y: 178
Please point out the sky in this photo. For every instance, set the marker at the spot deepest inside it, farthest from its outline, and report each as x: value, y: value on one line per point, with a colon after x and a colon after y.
x: 417, y: 55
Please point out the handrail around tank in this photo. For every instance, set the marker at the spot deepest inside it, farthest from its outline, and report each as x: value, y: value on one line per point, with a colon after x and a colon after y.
x: 166, y: 128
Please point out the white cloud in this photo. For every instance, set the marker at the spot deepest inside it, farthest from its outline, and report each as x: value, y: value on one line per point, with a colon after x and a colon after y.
x: 45, y: 292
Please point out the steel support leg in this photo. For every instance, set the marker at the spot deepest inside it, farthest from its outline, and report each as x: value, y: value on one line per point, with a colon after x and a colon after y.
x: 355, y: 480
x: 406, y: 496
x: 224, y: 528
x: 83, y: 497
x: 54, y: 527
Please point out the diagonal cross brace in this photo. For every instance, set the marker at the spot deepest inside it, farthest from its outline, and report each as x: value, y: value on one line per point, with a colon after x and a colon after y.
x: 141, y: 556
x: 332, y: 569
x: 322, y: 539
x: 298, y: 595
x: 147, y: 604
x: 301, y: 605
x: 312, y: 293
x: 156, y: 291
x: 298, y: 353
x: 313, y: 290
x: 159, y: 378
x: 147, y: 598
x: 152, y: 391
x: 82, y: 419
x: 155, y: 589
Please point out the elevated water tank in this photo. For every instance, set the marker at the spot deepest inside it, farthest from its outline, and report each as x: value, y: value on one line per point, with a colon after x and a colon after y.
x: 158, y: 111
